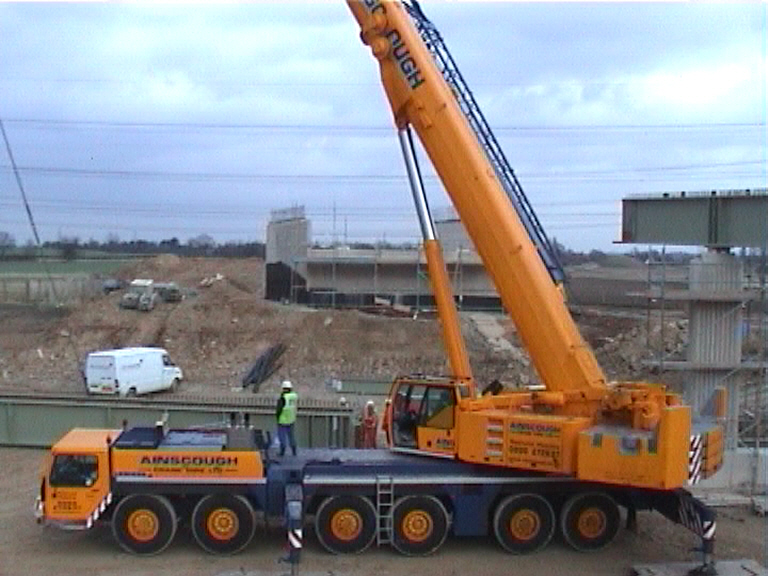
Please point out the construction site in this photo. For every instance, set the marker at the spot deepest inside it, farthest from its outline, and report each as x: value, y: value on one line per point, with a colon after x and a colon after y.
x: 639, y: 323
x: 466, y: 402
x: 636, y: 316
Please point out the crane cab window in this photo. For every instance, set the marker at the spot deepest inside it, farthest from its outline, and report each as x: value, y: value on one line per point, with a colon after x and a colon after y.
x: 74, y: 470
x: 419, y: 405
x: 438, y: 411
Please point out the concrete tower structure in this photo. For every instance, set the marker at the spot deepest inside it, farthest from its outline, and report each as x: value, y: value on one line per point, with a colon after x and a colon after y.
x: 716, y: 301
x: 717, y: 295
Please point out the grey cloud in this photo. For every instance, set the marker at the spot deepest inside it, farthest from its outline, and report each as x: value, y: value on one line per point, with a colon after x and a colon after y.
x: 191, y: 73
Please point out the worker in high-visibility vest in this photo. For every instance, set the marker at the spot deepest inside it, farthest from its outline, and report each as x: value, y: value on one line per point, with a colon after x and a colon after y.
x: 286, y: 416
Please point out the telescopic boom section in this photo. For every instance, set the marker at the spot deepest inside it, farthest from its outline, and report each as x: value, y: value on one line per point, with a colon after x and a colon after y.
x: 438, y: 275
x: 420, y: 97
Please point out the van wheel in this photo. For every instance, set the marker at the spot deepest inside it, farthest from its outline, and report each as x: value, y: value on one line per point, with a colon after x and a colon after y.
x: 131, y: 392
x: 223, y: 523
x: 175, y: 385
x: 346, y: 524
x: 144, y: 524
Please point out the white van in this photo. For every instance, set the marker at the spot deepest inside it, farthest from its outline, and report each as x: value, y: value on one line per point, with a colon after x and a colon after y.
x: 130, y: 371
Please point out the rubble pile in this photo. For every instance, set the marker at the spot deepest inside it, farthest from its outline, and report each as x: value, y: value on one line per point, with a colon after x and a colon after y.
x: 220, y: 329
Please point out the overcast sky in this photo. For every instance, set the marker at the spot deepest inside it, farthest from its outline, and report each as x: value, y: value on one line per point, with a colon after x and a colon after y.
x: 159, y: 121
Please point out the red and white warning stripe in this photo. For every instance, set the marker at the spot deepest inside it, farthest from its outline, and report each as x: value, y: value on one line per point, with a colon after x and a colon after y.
x: 295, y: 538
x: 99, y: 510
x: 709, y: 530
x: 695, y: 456
x: 690, y: 516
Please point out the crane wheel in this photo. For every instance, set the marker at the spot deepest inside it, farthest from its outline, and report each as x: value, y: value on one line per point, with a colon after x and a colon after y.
x: 419, y: 525
x: 590, y: 521
x: 223, y: 523
x: 524, y: 523
x: 144, y: 524
x: 345, y: 524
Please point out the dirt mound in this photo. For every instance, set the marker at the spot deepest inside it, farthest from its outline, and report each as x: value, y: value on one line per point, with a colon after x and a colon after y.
x: 218, y: 330
x: 168, y: 262
x: 223, y: 324
x: 246, y: 274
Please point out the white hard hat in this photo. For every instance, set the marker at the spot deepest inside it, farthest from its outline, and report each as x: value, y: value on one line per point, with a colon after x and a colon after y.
x: 369, y: 403
x: 287, y: 385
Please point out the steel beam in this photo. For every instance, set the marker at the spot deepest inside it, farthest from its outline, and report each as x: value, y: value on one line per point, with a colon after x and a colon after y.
x: 38, y: 420
x: 718, y: 219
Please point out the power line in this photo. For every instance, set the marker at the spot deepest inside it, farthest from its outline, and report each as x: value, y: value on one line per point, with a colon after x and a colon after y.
x: 174, y: 212
x: 372, y: 128
x: 351, y: 178
x: 239, y: 208
x: 247, y: 231
x: 46, y: 268
x: 20, y: 185
x: 209, y: 176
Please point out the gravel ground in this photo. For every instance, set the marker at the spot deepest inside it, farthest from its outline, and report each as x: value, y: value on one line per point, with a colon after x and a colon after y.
x: 27, y: 549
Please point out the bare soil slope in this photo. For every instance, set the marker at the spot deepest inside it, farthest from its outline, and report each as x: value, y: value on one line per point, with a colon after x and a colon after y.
x: 217, y: 332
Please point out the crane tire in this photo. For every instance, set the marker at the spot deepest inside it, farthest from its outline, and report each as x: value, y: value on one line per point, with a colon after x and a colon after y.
x: 524, y: 523
x: 590, y: 521
x: 223, y: 523
x: 144, y: 524
x: 419, y: 525
x: 346, y: 524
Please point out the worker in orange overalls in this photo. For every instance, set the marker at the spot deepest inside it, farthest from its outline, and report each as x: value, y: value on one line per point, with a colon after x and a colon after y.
x: 370, y: 425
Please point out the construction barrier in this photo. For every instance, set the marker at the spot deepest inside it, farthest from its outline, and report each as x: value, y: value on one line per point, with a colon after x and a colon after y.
x: 38, y: 420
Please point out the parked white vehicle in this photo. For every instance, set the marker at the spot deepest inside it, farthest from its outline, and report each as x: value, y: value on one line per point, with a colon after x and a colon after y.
x: 141, y: 295
x: 131, y: 371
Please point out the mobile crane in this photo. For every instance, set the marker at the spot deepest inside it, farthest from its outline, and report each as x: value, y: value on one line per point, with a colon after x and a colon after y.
x: 631, y: 434
x: 521, y: 464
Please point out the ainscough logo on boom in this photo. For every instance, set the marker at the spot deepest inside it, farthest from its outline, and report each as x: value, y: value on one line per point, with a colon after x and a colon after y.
x: 399, y: 50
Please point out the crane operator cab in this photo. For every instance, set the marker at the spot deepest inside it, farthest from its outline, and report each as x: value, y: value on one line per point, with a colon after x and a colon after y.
x: 421, y: 416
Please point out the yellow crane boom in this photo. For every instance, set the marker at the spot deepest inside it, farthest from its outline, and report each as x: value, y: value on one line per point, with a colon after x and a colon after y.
x: 419, y: 97
x: 634, y: 434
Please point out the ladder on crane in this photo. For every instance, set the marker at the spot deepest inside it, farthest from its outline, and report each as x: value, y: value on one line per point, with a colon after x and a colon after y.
x: 385, y: 500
